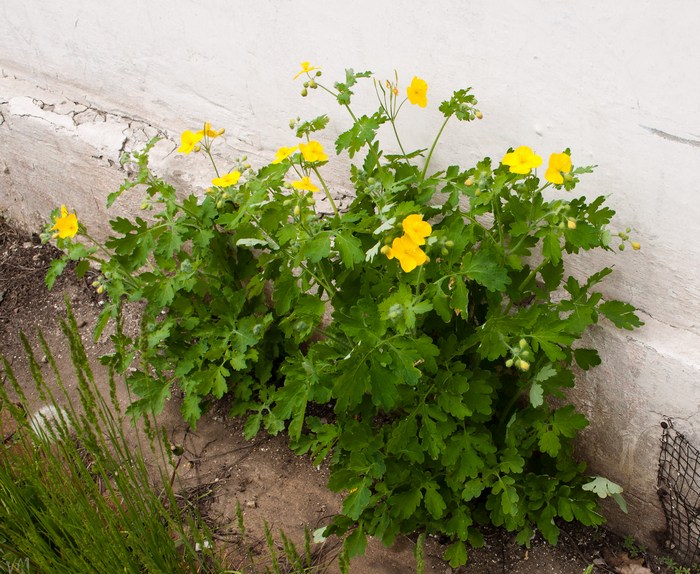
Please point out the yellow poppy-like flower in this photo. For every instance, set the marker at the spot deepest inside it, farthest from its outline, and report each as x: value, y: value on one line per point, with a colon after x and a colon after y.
x: 416, y: 228
x: 210, y: 133
x: 188, y: 140
x: 66, y: 225
x: 312, y: 152
x: 522, y: 160
x: 407, y: 252
x: 418, y: 92
x: 304, y: 184
x: 558, y: 163
x: 306, y: 67
x: 283, y: 153
x: 227, y: 180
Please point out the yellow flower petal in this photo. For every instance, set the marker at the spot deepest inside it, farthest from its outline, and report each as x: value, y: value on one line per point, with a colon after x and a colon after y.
x: 559, y: 163
x: 304, y: 184
x: 522, y: 160
x: 312, y: 152
x: 209, y: 132
x: 407, y: 252
x: 227, y: 180
x: 66, y: 225
x: 417, y: 92
x: 416, y: 228
x: 283, y: 153
x: 188, y: 141
x: 306, y: 67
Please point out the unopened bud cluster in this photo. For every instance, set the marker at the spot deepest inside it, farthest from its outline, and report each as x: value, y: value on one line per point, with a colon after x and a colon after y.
x: 521, y: 356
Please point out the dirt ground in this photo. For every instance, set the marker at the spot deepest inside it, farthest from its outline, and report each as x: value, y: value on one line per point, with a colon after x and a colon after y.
x: 269, y: 482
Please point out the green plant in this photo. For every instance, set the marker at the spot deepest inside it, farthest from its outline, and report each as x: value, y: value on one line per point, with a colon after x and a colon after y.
x: 676, y: 568
x: 634, y: 548
x: 453, y: 319
x: 75, y: 494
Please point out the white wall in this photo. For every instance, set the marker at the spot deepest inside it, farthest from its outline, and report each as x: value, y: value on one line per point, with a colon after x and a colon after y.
x: 617, y: 82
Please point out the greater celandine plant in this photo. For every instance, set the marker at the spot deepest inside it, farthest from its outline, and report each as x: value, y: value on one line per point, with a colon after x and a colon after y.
x: 453, y: 317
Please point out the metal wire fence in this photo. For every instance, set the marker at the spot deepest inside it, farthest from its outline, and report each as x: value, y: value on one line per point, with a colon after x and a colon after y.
x: 679, y: 491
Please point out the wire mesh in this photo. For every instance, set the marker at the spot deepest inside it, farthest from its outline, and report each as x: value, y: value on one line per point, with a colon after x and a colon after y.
x: 679, y: 492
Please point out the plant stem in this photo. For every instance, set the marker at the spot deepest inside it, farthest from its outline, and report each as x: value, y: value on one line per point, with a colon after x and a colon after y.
x: 327, y: 191
x: 432, y: 148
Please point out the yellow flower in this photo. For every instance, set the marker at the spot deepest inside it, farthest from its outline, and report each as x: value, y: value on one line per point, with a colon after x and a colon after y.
x: 66, y: 225
x: 313, y: 151
x: 636, y: 246
x: 416, y: 228
x: 407, y: 252
x: 306, y: 67
x: 283, y: 153
x: 210, y: 133
x: 558, y: 163
x: 188, y: 140
x: 522, y: 160
x: 227, y: 180
x: 418, y: 92
x: 304, y: 184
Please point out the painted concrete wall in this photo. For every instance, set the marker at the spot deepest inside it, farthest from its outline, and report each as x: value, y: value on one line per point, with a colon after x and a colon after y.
x: 617, y: 82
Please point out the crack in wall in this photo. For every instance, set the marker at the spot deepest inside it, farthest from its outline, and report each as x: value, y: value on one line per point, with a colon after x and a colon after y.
x: 126, y: 133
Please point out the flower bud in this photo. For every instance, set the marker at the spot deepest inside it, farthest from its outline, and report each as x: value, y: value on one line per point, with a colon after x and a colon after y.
x: 477, y: 193
x: 636, y: 246
x: 95, y: 283
x: 312, y: 84
x: 509, y: 363
x: 449, y: 244
x: 444, y: 252
x: 306, y: 84
x: 523, y: 365
x: 571, y: 223
x: 292, y: 124
x: 621, y: 247
x: 469, y: 182
x: 100, y: 290
x: 318, y: 74
x: 522, y: 343
x: 304, y: 93
x: 297, y: 210
x: 479, y: 115
x: 310, y: 200
x: 385, y: 249
x: 144, y: 205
